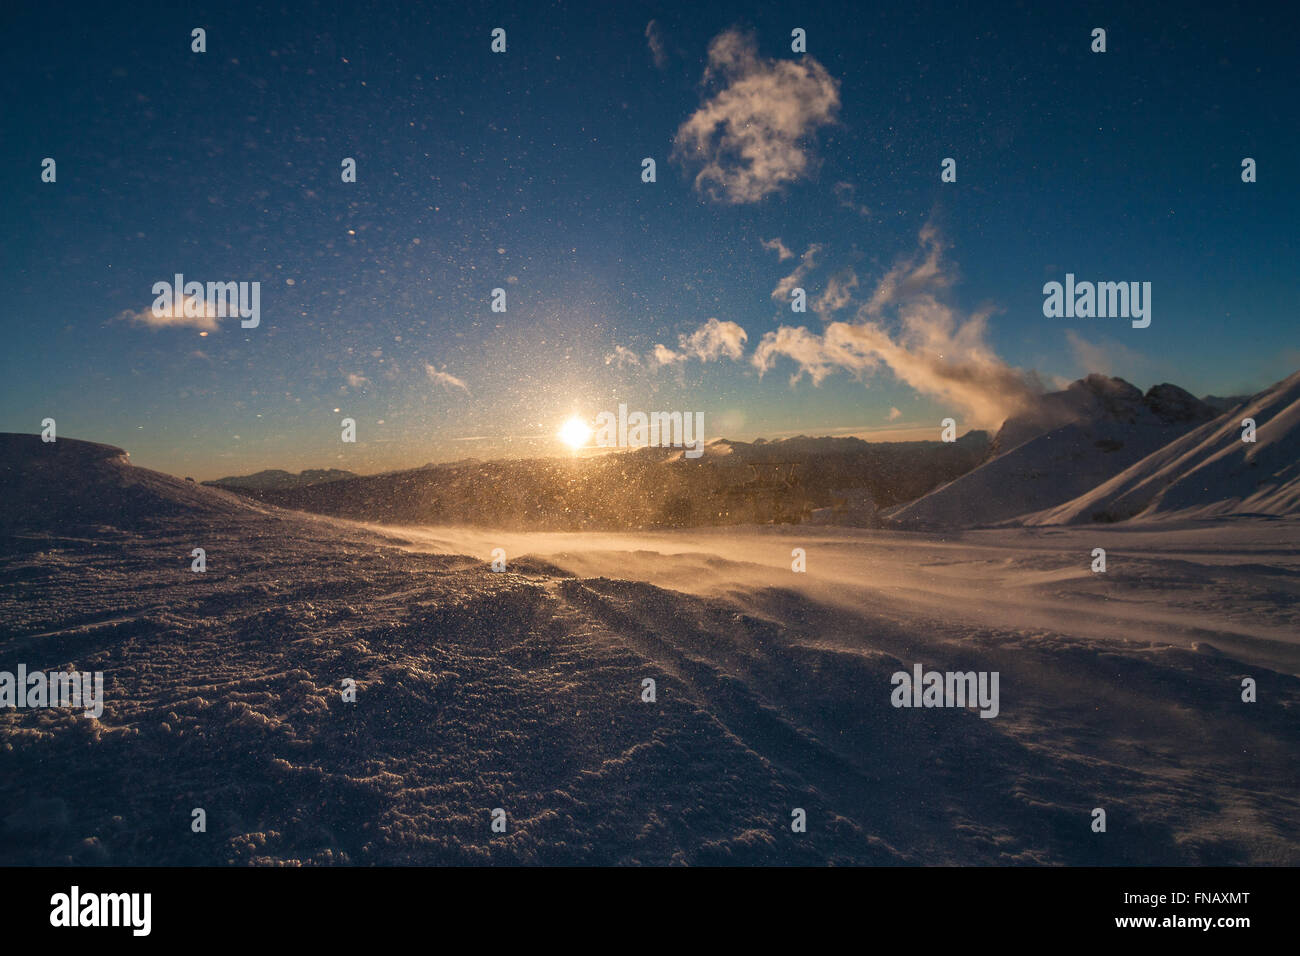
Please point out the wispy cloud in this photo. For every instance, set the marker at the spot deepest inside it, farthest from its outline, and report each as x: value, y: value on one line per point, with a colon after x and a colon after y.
x: 715, y: 339
x: 807, y: 262
x: 844, y: 192
x: 837, y: 294
x: 445, y: 379
x: 752, y: 137
x: 915, y: 275
x: 663, y: 355
x: 924, y: 341
x: 622, y: 356
x: 712, y: 341
x: 777, y: 246
x: 196, y: 313
x: 1107, y: 357
x: 654, y: 39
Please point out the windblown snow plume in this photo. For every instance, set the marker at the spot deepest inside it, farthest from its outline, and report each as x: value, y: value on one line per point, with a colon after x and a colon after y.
x: 926, y: 342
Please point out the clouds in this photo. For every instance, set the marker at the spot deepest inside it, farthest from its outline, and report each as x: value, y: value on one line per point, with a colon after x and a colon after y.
x: 654, y: 39
x: 445, y: 379
x: 715, y: 339
x: 914, y: 275
x: 194, y: 313
x: 816, y: 355
x: 844, y: 193
x: 663, y: 355
x: 837, y: 294
x: 750, y: 139
x: 904, y: 325
x: 712, y: 341
x: 777, y: 246
x: 807, y: 262
x: 622, y: 356
x: 1108, y: 357
x: 907, y: 327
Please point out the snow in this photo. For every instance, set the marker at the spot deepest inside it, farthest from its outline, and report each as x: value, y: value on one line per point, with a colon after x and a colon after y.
x: 1043, y: 471
x: 1124, y: 455
x: 522, y: 689
x: 1210, y: 472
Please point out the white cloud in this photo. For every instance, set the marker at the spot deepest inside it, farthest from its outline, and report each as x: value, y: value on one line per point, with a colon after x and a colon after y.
x: 816, y: 355
x: 204, y: 317
x: 1107, y: 357
x: 622, y: 356
x: 711, y: 341
x: 752, y: 137
x: 894, y: 414
x: 807, y: 262
x: 714, y: 339
x: 356, y: 381
x: 445, y: 379
x: 913, y: 275
x: 837, y: 294
x: 663, y: 355
x: 777, y: 246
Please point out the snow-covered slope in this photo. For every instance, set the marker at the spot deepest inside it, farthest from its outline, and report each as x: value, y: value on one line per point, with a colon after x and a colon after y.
x: 1207, y: 473
x: 523, y: 689
x: 1071, y: 442
x: 66, y: 483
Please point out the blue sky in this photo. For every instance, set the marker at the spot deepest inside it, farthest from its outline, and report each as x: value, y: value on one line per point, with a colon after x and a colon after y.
x: 522, y: 171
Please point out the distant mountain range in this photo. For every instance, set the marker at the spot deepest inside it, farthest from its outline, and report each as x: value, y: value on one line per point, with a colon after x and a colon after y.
x: 732, y: 483
x: 274, y: 478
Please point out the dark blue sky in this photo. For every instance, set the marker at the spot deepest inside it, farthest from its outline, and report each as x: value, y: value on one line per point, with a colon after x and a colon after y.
x: 522, y: 170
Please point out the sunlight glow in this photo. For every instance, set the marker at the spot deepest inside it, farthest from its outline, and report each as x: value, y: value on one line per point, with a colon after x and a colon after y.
x: 574, y: 433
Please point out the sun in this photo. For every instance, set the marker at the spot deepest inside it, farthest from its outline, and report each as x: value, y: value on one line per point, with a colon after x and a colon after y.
x: 574, y: 433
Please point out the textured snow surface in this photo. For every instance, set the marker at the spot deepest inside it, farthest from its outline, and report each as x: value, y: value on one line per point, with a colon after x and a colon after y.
x: 522, y: 689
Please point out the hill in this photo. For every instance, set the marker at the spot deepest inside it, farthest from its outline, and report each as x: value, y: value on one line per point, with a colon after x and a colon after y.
x: 70, y: 483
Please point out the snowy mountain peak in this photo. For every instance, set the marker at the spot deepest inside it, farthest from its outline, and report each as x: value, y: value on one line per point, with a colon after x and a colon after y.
x: 1210, y: 471
x: 1098, y: 399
